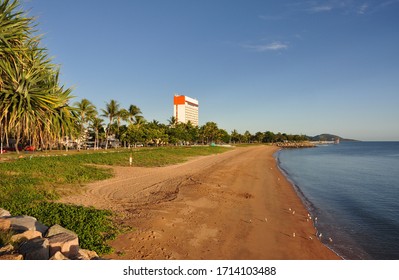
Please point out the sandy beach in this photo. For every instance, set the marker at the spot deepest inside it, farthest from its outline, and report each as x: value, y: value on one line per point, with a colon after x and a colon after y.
x: 235, y: 205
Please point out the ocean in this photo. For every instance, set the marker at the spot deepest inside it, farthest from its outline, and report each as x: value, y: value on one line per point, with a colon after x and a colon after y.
x: 353, y: 190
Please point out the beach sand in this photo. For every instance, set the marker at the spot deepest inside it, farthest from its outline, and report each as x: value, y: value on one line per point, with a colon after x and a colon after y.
x: 235, y: 205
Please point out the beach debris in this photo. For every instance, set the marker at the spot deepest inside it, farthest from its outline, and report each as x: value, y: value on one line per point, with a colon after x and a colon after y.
x: 307, y: 220
x: 293, y: 234
x: 250, y: 220
x: 311, y: 238
x: 315, y: 220
x: 330, y: 239
x: 265, y: 219
x: 289, y: 209
x: 293, y: 212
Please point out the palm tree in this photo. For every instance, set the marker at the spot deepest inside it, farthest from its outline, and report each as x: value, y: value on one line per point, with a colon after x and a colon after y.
x: 86, y: 111
x: 210, y: 132
x: 97, y: 125
x: 122, y: 115
x: 172, y: 121
x: 111, y: 111
x: 139, y: 121
x: 134, y: 113
x: 30, y: 95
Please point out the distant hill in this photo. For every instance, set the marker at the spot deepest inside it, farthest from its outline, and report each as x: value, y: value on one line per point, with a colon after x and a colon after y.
x: 329, y: 137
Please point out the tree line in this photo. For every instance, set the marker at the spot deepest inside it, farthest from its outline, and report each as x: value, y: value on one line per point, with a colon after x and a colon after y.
x: 36, y: 110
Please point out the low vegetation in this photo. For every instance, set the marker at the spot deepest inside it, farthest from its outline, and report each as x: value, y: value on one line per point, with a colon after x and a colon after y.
x: 31, y: 186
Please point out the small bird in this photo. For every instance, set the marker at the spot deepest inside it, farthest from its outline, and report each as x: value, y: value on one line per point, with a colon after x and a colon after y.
x: 320, y: 235
x: 311, y: 238
x: 330, y: 239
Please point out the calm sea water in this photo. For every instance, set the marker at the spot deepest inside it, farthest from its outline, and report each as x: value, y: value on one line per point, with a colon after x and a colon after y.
x: 353, y: 190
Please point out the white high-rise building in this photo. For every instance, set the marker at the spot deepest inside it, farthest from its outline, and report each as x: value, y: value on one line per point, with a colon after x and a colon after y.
x: 185, y: 109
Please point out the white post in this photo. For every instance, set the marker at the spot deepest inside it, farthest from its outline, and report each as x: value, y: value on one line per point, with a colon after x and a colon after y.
x: 130, y: 160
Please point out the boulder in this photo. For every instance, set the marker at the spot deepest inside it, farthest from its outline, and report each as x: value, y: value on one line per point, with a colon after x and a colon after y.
x: 4, y: 213
x: 23, y: 223
x: 11, y: 257
x: 84, y: 254
x: 6, y: 250
x: 65, y: 243
x: 56, y: 229
x: 5, y: 224
x: 58, y: 256
x: 35, y: 249
x: 26, y: 235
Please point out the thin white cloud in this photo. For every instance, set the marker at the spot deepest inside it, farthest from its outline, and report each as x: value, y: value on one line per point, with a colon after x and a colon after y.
x: 274, y: 46
x: 388, y: 3
x: 320, y: 9
x: 362, y: 9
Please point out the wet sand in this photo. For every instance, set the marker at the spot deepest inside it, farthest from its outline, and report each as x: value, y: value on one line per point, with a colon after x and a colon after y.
x: 235, y: 205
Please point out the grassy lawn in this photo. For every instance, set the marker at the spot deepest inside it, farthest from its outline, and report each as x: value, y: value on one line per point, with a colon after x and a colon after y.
x: 29, y: 185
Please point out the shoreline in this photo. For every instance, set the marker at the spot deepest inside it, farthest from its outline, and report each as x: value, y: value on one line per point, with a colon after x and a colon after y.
x: 306, y: 202
x: 234, y: 205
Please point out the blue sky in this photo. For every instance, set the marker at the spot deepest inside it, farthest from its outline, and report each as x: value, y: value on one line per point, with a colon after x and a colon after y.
x: 300, y: 67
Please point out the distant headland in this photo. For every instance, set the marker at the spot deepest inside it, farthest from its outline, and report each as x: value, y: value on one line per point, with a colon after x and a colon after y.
x: 330, y: 137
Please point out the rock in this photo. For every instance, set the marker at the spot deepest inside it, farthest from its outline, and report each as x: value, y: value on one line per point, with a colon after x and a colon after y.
x: 23, y: 223
x: 6, y: 250
x: 35, y: 249
x: 56, y: 229
x: 65, y: 243
x: 26, y: 235
x: 84, y: 254
x: 58, y: 256
x: 4, y: 213
x: 15, y: 257
x: 5, y: 224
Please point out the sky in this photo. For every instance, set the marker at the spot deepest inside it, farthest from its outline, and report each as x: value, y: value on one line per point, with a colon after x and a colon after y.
x: 299, y: 67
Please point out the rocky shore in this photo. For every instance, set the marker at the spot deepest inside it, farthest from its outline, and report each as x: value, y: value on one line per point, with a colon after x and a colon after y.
x: 295, y: 145
x: 24, y: 238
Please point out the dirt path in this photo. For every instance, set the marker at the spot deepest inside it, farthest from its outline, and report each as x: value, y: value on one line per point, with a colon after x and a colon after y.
x: 233, y: 205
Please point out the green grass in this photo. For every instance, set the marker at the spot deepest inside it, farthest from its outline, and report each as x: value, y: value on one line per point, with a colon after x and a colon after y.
x: 30, y: 186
